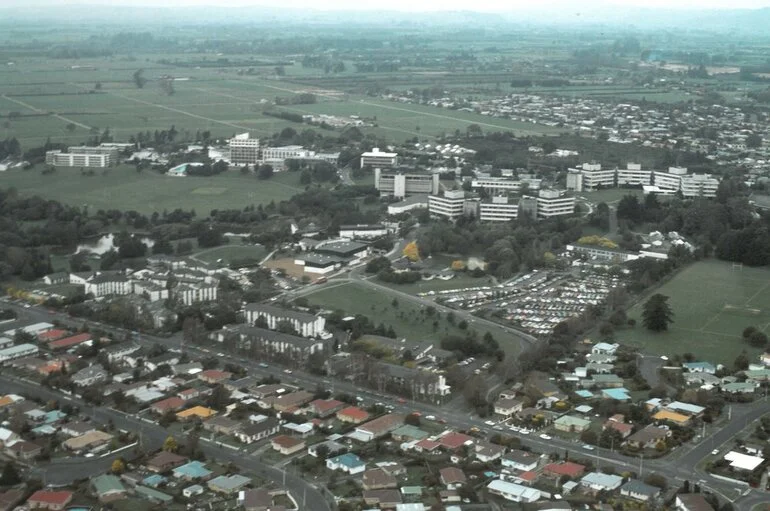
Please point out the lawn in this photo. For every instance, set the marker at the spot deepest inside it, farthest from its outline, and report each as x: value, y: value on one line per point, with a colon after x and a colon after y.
x: 230, y: 253
x: 712, y: 303
x: 611, y: 194
x: 123, y: 188
x: 405, y: 316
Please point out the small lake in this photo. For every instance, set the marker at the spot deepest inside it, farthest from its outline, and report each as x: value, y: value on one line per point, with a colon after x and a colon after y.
x: 104, y: 244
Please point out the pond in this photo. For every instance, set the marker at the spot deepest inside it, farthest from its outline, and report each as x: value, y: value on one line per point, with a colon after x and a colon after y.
x: 104, y: 244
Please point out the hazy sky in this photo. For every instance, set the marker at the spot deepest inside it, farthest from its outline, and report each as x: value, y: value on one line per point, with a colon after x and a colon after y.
x: 422, y: 5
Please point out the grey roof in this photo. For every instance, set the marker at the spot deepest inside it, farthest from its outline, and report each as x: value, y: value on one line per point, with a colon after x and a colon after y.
x: 637, y: 486
x: 264, y: 334
x: 341, y: 248
x: 259, y: 427
x: 280, y: 312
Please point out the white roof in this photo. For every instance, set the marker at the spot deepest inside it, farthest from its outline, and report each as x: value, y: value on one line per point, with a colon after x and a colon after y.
x: 299, y: 428
x: 522, y: 492
x: 743, y: 461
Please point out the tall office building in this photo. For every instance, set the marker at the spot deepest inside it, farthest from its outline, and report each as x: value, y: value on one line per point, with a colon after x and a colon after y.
x: 243, y: 149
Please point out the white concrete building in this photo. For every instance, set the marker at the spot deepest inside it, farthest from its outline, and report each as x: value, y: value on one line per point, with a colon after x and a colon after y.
x: 551, y: 203
x: 451, y: 205
x: 244, y: 149
x: 502, y: 184
x: 575, y: 180
x: 595, y: 177
x: 633, y: 175
x: 699, y: 185
x: 104, y: 284
x: 669, y: 182
x: 189, y: 294
x: 94, y: 157
x: 379, y: 159
x: 307, y: 325
x: 364, y: 231
x: 400, y: 185
x: 408, y: 204
x: 500, y: 209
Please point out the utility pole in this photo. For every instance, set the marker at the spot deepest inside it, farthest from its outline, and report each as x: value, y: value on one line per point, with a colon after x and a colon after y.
x: 641, y: 468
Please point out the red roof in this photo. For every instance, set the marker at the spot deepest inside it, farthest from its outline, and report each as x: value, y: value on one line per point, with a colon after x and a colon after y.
x: 286, y: 442
x: 452, y: 475
x: 529, y: 476
x: 60, y: 498
x: 69, y: 341
x: 51, y: 335
x: 325, y: 405
x: 565, y: 469
x: 214, y: 374
x: 172, y: 403
x: 427, y: 445
x: 454, y: 440
x: 621, y: 427
x: 354, y: 413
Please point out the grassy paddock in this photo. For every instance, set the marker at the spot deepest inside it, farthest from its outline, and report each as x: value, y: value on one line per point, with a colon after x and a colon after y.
x: 123, y: 188
x: 712, y: 302
x: 230, y: 253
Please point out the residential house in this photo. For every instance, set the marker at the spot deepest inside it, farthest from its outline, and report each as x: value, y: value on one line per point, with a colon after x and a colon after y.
x: 699, y: 367
x: 87, y: 441
x: 598, y: 481
x: 221, y: 425
x: 640, y: 491
x: 619, y: 426
x: 513, y: 492
x: 287, y: 445
x: 193, y: 491
x: 108, y: 488
x: 508, y: 407
x: 378, y: 427
x: 289, y: 401
x: 171, y: 404
x: 452, y: 477
x: 566, y: 468
x: 384, y: 499
x: 256, y: 500
x: 523, y: 461
x: 7, y: 436
x: 648, y: 437
x: 332, y: 447
x: 214, y: 376
x: 24, y: 450
x: 90, y: 376
x: 487, y: 452
x: 196, y: 412
x: 53, y: 500
x: 165, y: 461
x: 352, y: 414
x: 191, y: 471
x: 452, y: 441
x: 571, y: 424
x: 228, y: 484
x: 256, y: 431
x: 692, y: 502
x: 603, y: 348
x: 349, y: 463
x: 325, y: 407
x: 378, y: 479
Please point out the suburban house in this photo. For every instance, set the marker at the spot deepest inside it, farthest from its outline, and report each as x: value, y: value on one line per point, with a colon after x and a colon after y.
x: 228, y: 484
x: 513, y: 492
x: 378, y: 479
x: 571, y: 424
x: 53, y: 500
x: 566, y: 468
x: 108, y: 488
x: 287, y: 445
x: 524, y: 461
x: 598, y: 481
x: 221, y: 425
x: 384, y: 499
x: 378, y: 427
x: 452, y: 477
x: 508, y: 407
x: 325, y: 407
x: 90, y: 376
x: 648, y: 437
x: 640, y: 491
x: 165, y: 461
x: 692, y: 502
x: 349, y: 463
x: 352, y: 414
x: 256, y: 431
x: 603, y: 348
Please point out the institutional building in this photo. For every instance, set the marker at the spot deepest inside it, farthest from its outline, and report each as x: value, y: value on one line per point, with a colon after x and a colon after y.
x: 590, y: 177
x: 451, y: 205
x: 551, y: 203
x: 379, y: 159
x: 307, y: 325
x: 634, y: 175
x: 502, y: 184
x: 79, y: 156
x: 400, y: 184
x: 500, y: 209
x: 243, y: 149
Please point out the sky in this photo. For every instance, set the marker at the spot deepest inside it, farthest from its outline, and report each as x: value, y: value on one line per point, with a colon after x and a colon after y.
x: 421, y: 5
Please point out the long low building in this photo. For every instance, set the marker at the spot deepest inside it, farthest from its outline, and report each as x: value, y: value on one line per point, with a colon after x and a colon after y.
x: 400, y: 184
x: 513, y: 492
x: 18, y: 351
x: 591, y: 176
x: 306, y: 324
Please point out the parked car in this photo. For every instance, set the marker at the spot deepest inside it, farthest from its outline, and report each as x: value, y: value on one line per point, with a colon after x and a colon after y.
x: 588, y: 447
x: 545, y: 437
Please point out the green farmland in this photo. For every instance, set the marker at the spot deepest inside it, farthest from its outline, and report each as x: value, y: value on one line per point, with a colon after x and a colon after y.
x: 712, y: 303
x: 123, y: 188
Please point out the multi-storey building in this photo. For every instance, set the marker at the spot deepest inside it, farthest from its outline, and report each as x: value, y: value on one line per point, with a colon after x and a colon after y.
x: 189, y: 294
x: 269, y: 344
x: 551, y: 203
x: 451, y: 205
x: 103, y: 284
x: 76, y: 156
x: 307, y: 325
x: 634, y: 175
x: 699, y: 185
x: 400, y: 184
x: 379, y: 159
x: 669, y: 182
x: 502, y: 184
x: 500, y: 209
x: 243, y: 149
x: 595, y: 177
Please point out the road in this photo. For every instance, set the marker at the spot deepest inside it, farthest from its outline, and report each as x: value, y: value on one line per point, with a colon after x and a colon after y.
x: 677, y: 467
x: 62, y: 473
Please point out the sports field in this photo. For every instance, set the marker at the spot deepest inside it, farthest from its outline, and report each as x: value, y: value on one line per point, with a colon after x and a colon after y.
x: 123, y: 188
x: 405, y: 318
x: 230, y: 253
x: 713, y: 302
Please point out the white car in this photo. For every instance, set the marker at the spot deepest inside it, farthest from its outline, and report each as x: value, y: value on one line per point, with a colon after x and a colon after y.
x: 489, y: 423
x: 545, y: 437
x: 514, y: 428
x: 430, y: 417
x: 287, y: 371
x: 524, y: 431
x: 588, y: 447
x: 715, y: 452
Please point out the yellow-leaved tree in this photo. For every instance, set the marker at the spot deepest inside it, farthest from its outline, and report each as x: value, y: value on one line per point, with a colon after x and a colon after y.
x: 170, y: 444
x: 412, y: 252
x: 118, y: 466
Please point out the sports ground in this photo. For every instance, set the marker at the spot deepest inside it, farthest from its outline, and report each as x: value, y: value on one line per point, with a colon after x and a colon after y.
x: 712, y: 301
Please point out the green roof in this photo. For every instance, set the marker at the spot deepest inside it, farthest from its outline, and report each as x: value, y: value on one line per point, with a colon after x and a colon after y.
x: 410, y: 431
x: 569, y: 420
x: 153, y: 494
x: 106, y: 484
x: 411, y: 490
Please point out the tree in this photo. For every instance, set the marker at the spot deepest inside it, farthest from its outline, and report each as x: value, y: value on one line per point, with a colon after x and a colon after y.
x: 10, y: 475
x: 412, y: 252
x: 753, y: 141
x: 265, y: 171
x: 170, y: 445
x: 656, y: 480
x: 118, y: 466
x: 412, y: 419
x: 657, y: 314
x: 755, y: 337
x: 139, y: 79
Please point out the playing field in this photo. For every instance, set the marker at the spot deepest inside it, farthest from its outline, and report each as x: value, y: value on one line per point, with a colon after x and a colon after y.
x: 713, y: 302
x: 123, y: 188
x: 230, y: 253
x: 405, y: 318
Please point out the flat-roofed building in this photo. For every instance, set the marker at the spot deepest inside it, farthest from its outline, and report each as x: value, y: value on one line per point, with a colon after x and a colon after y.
x: 18, y: 351
x: 551, y: 203
x: 594, y: 177
x: 379, y: 159
x: 699, y: 185
x: 451, y: 205
x: 76, y: 156
x: 503, y: 184
x: 306, y: 324
x: 633, y: 175
x: 244, y: 149
x: 400, y: 184
x: 499, y: 209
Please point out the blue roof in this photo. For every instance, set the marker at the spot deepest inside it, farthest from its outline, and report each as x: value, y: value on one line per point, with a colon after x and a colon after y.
x: 53, y: 416
x: 193, y: 469
x: 584, y: 393
x: 45, y: 429
x: 154, y: 480
x: 349, y: 460
x: 620, y: 394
